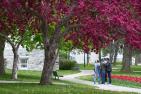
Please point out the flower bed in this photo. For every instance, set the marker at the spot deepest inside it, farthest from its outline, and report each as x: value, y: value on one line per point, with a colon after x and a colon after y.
x: 127, y: 78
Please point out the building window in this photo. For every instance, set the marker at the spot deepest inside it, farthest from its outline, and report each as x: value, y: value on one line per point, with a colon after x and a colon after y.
x: 24, y: 62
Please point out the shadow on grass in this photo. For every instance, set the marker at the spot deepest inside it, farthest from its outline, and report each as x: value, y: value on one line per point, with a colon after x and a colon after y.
x: 21, y: 77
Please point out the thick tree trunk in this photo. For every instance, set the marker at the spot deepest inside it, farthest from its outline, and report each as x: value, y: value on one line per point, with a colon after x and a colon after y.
x: 15, y: 64
x: 127, y: 58
x: 50, y: 58
x: 2, y: 65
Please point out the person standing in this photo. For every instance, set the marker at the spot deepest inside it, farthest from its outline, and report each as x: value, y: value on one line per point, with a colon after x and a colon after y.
x: 97, y: 71
x: 103, y: 72
x: 108, y: 70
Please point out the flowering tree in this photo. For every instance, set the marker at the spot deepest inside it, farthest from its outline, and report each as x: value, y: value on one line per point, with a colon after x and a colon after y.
x: 90, y: 23
x: 12, y: 31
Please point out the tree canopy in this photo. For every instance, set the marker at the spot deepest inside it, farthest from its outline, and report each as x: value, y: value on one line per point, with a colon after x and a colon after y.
x: 100, y: 20
x: 93, y: 24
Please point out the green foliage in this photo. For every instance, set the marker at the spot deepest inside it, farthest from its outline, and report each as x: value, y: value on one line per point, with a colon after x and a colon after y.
x: 63, y: 54
x: 65, y: 45
x: 65, y: 64
x: 64, y: 49
x: 116, y: 44
x: 32, y: 41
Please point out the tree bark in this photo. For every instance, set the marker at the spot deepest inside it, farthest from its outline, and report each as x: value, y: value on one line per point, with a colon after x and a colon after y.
x: 111, y: 52
x: 15, y: 64
x: 137, y: 59
x: 88, y: 58
x: 84, y: 60
x: 49, y: 61
x: 2, y: 64
x: 68, y: 55
x: 100, y: 56
x: 116, y: 52
x: 127, y: 58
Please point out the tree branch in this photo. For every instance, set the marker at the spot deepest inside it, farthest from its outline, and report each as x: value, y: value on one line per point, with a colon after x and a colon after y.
x: 19, y: 43
x: 8, y: 39
x: 64, y: 21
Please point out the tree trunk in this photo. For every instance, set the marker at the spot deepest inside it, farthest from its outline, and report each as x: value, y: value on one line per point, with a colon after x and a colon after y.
x: 84, y: 61
x: 15, y: 64
x: 127, y: 58
x: 116, y: 52
x: 49, y: 61
x: 68, y: 55
x: 111, y: 52
x: 2, y: 65
x: 137, y: 59
x: 100, y: 56
x: 88, y: 58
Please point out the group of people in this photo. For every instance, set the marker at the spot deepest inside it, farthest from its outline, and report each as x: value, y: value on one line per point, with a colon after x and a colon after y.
x: 102, y: 71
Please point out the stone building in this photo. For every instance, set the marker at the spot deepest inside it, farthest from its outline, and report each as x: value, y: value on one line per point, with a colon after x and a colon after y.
x: 27, y: 60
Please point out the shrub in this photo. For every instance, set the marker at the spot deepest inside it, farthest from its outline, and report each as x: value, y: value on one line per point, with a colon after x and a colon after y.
x: 65, y: 64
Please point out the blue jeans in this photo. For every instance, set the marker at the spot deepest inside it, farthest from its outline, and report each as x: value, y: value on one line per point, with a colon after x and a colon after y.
x: 98, y: 76
x: 109, y: 76
x: 94, y: 79
x: 103, y: 76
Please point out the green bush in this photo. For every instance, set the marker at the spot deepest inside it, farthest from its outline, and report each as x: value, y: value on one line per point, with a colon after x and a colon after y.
x: 65, y: 64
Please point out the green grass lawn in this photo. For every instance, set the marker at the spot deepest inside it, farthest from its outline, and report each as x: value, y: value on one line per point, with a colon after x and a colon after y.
x: 133, y: 67
x: 136, y: 71
x: 118, y: 72
x: 136, y: 68
x: 69, y: 88
x: 118, y: 67
x: 87, y: 67
x: 32, y: 76
x: 115, y: 82
x: 66, y: 88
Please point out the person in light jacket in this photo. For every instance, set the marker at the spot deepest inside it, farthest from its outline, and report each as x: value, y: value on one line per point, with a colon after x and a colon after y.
x: 97, y: 71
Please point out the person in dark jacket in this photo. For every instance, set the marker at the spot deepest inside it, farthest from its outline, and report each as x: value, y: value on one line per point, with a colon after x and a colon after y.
x: 108, y: 70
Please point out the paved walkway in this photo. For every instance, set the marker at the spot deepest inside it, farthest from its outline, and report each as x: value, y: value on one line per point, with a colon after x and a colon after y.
x: 73, y: 78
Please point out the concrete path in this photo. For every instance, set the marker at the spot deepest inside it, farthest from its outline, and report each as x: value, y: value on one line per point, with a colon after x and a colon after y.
x: 73, y: 78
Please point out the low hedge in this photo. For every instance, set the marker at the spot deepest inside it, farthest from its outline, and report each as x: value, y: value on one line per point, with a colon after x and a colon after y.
x: 65, y: 64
